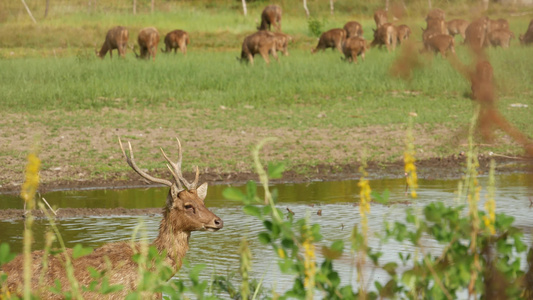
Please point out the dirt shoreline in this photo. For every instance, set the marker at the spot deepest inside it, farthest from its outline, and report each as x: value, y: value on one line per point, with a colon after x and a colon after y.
x: 450, y: 167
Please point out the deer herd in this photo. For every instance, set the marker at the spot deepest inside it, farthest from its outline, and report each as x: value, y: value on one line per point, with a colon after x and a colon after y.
x: 438, y: 36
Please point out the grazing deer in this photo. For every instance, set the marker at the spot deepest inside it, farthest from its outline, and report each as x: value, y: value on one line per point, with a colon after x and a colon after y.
x: 457, y: 26
x: 333, y: 38
x: 353, y: 28
x: 116, y: 38
x: 353, y: 47
x: 403, y: 33
x: 282, y: 42
x: 386, y: 35
x: 263, y: 43
x: 380, y: 17
x: 183, y: 213
x: 271, y: 15
x: 527, y: 38
x: 476, y: 33
x: 177, y: 39
x: 440, y: 43
x: 148, y: 39
x: 500, y: 37
x: 436, y: 13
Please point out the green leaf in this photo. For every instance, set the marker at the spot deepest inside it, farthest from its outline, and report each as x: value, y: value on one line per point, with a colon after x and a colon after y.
x: 56, y: 289
x: 133, y: 296
x: 112, y: 289
x: 94, y: 273
x: 390, y: 268
x: 275, y: 170
x: 79, y: 251
x: 234, y: 194
x: 251, y: 190
x: 382, y: 198
x: 264, y: 238
x: 5, y: 255
x: 338, y: 245
x: 252, y: 210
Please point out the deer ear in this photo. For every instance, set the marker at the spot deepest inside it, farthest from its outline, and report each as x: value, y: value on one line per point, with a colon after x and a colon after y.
x: 202, y: 191
x: 173, y: 194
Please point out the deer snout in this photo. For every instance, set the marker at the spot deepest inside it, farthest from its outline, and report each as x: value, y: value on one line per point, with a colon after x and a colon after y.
x: 215, y: 225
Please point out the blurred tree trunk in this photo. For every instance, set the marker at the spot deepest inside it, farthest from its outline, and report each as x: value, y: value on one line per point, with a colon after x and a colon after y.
x: 387, y: 5
x: 306, y: 9
x: 29, y: 11
x: 134, y: 7
x: 429, y: 5
x: 331, y: 7
x: 153, y: 4
x: 244, y: 7
x: 46, y: 8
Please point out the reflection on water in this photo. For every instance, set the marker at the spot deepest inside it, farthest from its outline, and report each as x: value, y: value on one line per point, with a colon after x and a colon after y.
x: 219, y: 250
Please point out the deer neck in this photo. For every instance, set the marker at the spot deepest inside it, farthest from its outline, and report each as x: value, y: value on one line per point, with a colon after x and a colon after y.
x: 103, y: 50
x: 172, y: 240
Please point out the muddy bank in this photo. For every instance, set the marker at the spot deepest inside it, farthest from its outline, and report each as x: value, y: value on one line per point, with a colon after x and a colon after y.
x: 436, y: 168
x: 449, y: 167
x: 62, y: 213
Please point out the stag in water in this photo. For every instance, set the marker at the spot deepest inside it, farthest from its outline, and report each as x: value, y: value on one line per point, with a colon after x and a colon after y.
x: 116, y: 38
x: 183, y: 213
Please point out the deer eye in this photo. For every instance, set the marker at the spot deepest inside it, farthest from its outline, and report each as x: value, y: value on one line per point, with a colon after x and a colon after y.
x: 189, y: 207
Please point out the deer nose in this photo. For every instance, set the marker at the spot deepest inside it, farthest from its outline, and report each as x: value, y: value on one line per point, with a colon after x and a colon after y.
x: 219, y: 223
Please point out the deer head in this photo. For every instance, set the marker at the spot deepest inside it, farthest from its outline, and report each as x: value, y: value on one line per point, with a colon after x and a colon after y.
x: 184, y: 209
x: 132, y: 47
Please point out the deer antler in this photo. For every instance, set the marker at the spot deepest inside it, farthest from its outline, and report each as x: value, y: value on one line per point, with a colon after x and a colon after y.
x: 131, y: 162
x: 178, y: 176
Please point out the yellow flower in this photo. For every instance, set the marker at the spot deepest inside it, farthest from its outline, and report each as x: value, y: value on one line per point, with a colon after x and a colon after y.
x: 309, y: 263
x: 490, y: 218
x: 410, y: 171
x: 31, y: 182
x: 281, y: 253
x: 409, y: 159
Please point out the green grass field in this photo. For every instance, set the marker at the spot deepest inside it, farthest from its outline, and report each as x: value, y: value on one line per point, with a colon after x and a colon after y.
x: 50, y: 79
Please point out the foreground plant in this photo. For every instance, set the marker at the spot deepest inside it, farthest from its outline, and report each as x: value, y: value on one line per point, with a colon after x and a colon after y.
x: 475, y: 253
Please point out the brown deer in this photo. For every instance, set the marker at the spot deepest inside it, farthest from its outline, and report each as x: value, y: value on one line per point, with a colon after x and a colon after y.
x: 403, y: 33
x: 353, y: 28
x: 436, y: 13
x: 385, y: 35
x: 177, y: 39
x: 353, y: 47
x: 440, y: 43
x: 271, y: 15
x: 380, y: 17
x: 183, y: 213
x: 116, y: 38
x: 282, y: 42
x: 476, y: 33
x: 438, y: 25
x: 261, y: 42
x: 500, y: 37
x: 457, y: 26
x: 527, y: 38
x: 498, y: 24
x: 333, y: 38
x: 148, y: 39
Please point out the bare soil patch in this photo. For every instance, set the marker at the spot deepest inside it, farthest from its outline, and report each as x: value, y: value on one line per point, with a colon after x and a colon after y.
x: 89, y: 157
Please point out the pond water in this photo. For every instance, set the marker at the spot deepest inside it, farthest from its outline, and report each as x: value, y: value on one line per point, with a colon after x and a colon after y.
x: 219, y: 250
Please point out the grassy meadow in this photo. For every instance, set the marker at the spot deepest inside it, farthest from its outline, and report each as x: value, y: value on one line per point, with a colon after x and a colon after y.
x: 51, y: 82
